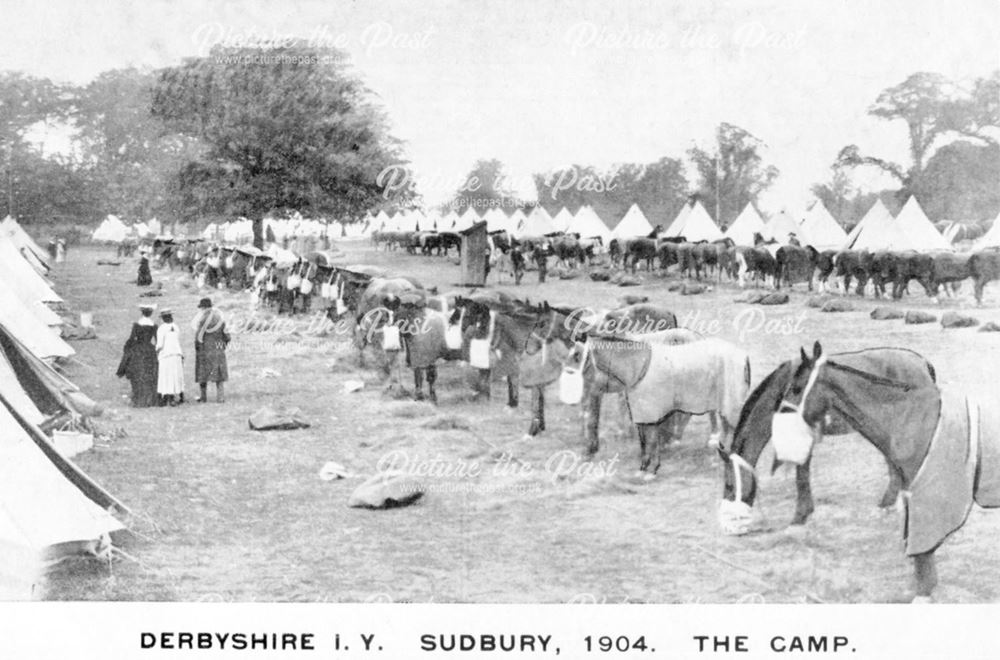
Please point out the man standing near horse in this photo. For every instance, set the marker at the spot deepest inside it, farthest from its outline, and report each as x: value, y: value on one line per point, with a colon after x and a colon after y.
x: 210, y: 342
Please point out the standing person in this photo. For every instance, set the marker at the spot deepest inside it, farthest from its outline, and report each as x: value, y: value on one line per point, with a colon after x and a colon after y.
x: 60, y: 251
x: 210, y: 341
x: 541, y: 258
x: 145, y: 278
x: 170, y: 379
x: 517, y: 264
x: 139, y: 363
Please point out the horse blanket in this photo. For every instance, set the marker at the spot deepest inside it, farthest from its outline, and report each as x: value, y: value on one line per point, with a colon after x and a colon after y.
x: 708, y: 375
x: 962, y: 465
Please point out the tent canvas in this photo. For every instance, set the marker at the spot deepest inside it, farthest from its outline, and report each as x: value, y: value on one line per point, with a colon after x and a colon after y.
x: 496, y: 220
x: 632, y: 224
x: 517, y: 219
x: 588, y: 224
x: 914, y: 231
x: 24, y: 242
x: 45, y: 500
x: 746, y: 224
x: 869, y: 227
x: 781, y: 226
x: 53, y: 394
x: 991, y: 238
x: 17, y: 273
x: 31, y: 332
x: 467, y: 219
x: 538, y: 223
x: 113, y: 230
x: 695, y: 225
x: 822, y: 229
x: 562, y: 220
x: 674, y: 228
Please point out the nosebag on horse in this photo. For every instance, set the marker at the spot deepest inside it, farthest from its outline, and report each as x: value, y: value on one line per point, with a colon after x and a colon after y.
x: 944, y: 445
x: 707, y: 376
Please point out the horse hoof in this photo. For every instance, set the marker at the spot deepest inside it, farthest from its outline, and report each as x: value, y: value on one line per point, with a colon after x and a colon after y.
x: 648, y: 476
x: 921, y: 600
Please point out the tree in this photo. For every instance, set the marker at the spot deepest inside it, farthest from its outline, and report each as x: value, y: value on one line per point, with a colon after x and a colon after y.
x: 135, y: 159
x: 290, y: 129
x: 485, y: 187
x: 24, y: 102
x: 960, y: 183
x: 933, y: 109
x: 734, y: 174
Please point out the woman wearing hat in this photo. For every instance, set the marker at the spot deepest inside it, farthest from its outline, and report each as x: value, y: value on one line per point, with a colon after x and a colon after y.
x: 139, y: 362
x: 210, y: 341
x: 170, y: 379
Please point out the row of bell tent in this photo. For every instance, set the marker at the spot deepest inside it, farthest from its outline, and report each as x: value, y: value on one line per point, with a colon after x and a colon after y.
x: 878, y: 229
x: 49, y: 508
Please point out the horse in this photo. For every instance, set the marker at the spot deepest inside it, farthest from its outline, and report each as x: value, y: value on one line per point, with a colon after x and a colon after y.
x: 522, y: 348
x: 825, y: 264
x: 711, y: 375
x: 984, y: 267
x: 755, y: 261
x: 948, y: 268
x: 753, y: 433
x: 795, y: 264
x: 852, y: 264
x: 710, y: 256
x: 940, y: 442
x: 597, y: 384
x: 639, y: 249
x: 911, y: 265
x: 569, y: 251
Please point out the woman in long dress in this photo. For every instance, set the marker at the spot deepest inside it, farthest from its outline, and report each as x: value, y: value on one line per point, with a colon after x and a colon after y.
x: 139, y: 363
x: 144, y: 278
x: 170, y: 379
x: 210, y: 341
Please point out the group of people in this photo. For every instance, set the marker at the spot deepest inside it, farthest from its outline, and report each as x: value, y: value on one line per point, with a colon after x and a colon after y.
x: 57, y: 250
x: 153, y: 359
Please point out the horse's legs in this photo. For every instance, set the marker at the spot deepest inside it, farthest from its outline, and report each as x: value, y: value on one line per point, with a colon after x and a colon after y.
x: 715, y: 437
x: 432, y: 373
x: 481, y: 387
x: 512, y: 394
x: 892, y: 488
x: 926, y: 574
x: 804, y: 500
x: 418, y: 383
x: 538, y: 411
x: 591, y: 409
x: 645, y: 453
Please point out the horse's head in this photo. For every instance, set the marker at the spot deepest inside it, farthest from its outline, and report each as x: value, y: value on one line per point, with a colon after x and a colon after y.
x: 751, y: 435
x: 801, y: 396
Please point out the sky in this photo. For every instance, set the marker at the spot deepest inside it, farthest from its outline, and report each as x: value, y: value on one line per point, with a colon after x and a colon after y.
x: 545, y: 84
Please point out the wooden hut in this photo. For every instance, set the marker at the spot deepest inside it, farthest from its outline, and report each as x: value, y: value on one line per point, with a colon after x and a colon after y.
x: 475, y: 252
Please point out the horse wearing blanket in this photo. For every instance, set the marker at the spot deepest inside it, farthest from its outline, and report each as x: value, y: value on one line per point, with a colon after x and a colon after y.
x: 708, y: 376
x: 944, y: 445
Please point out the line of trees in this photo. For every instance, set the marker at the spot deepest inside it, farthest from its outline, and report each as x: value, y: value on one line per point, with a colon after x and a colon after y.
x: 232, y: 133
x: 223, y: 135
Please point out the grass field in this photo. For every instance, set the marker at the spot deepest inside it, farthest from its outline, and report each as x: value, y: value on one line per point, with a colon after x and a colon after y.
x: 226, y: 513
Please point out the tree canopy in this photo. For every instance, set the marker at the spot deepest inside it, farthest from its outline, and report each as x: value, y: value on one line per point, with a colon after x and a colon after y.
x: 292, y: 130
